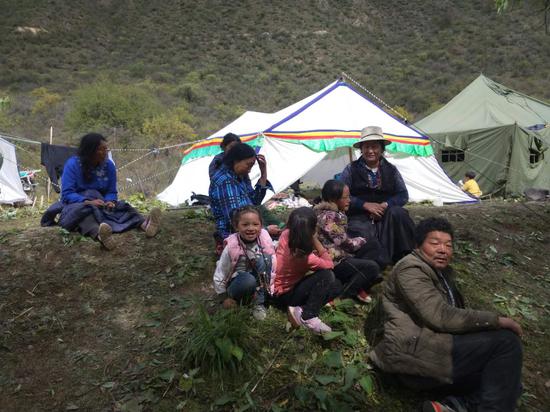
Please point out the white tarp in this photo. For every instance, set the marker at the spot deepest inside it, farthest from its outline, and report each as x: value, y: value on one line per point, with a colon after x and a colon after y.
x: 11, y: 190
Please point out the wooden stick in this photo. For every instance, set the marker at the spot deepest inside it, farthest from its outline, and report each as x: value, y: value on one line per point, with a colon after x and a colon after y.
x: 22, y: 313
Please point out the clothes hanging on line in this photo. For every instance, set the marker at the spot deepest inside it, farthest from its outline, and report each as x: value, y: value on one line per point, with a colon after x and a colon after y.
x: 53, y: 157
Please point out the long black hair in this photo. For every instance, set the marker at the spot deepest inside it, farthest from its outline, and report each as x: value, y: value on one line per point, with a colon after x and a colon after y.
x: 301, y: 225
x: 87, y: 150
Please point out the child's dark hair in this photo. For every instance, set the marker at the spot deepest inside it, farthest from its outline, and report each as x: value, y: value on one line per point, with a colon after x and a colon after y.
x: 332, y: 190
x: 229, y: 138
x: 431, y: 224
x: 301, y: 225
x: 470, y: 174
x: 237, y: 213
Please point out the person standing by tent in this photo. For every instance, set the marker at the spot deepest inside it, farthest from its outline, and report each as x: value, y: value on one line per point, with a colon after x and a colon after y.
x: 378, y: 194
x: 230, y: 188
x: 431, y: 340
x: 89, y: 197
x: 229, y: 140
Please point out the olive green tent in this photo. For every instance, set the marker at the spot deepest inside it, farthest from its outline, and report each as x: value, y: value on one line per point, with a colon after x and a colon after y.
x: 501, y: 134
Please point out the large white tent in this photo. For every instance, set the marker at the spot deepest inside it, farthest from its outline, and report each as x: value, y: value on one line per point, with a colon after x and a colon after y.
x: 312, y: 140
x: 11, y: 190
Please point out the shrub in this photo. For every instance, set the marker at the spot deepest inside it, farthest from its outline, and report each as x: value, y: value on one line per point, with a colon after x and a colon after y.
x: 171, y: 127
x: 105, y: 104
x: 45, y: 101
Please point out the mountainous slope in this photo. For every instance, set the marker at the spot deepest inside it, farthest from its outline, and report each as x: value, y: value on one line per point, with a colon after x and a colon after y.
x: 223, y: 57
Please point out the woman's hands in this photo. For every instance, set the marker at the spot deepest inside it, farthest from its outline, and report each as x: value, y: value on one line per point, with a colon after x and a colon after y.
x: 95, y: 202
x: 100, y: 203
x: 376, y: 210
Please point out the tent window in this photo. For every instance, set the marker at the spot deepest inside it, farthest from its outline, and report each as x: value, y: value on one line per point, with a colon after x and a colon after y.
x: 536, y: 152
x: 452, y: 155
x: 535, y: 156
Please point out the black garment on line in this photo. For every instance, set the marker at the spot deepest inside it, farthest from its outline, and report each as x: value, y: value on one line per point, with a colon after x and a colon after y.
x: 53, y: 157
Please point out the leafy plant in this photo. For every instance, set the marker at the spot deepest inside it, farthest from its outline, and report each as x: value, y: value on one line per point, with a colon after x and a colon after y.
x: 144, y: 204
x: 516, y: 305
x: 220, y: 343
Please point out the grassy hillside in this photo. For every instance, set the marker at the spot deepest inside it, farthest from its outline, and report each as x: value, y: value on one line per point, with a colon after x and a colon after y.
x: 149, y: 73
x: 221, y: 57
x: 89, y: 330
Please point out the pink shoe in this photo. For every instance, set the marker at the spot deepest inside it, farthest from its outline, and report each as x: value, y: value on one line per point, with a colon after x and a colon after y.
x: 295, y: 316
x: 364, y: 297
x: 316, y: 325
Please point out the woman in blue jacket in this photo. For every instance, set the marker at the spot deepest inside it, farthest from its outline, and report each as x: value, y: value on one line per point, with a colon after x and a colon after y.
x: 90, y: 198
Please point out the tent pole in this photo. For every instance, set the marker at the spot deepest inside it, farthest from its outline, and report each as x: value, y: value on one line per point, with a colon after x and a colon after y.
x: 350, y: 152
x: 49, y: 180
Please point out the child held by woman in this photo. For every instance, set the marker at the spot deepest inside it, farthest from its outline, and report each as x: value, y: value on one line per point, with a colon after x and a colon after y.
x: 244, y: 271
x: 353, y: 257
x: 304, y: 281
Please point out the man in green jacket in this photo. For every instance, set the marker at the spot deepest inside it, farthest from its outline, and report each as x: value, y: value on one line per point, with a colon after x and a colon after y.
x: 431, y: 340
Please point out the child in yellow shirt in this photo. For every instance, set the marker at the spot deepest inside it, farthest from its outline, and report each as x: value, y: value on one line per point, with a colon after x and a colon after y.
x: 470, y: 185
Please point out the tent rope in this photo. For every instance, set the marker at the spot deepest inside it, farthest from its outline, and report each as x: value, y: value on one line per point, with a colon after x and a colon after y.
x: 355, y: 82
x: 19, y: 139
x: 148, y: 178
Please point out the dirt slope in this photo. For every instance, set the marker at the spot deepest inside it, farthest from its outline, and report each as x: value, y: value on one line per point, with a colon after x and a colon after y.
x: 81, y: 328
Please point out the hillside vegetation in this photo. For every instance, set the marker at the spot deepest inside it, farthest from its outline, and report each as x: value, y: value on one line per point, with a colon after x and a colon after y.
x: 157, y: 64
x: 156, y: 73
x: 139, y: 329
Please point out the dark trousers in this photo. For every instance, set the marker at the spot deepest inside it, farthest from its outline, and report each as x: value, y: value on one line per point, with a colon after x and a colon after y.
x: 312, y: 293
x: 395, y: 231
x: 89, y: 226
x: 356, y: 274
x: 486, y: 371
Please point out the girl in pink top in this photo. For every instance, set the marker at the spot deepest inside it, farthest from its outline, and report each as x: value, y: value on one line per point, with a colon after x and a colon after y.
x: 304, y: 281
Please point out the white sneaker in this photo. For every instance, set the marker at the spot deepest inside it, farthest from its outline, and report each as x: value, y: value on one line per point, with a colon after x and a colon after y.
x: 259, y: 312
x: 316, y: 325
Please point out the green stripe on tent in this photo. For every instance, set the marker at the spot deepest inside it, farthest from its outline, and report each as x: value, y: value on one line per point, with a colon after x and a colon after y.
x: 333, y: 144
x: 214, y: 150
x: 317, y: 146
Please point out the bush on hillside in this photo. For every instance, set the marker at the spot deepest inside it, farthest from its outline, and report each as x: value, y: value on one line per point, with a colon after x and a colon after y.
x: 170, y: 128
x: 45, y: 100
x: 107, y: 105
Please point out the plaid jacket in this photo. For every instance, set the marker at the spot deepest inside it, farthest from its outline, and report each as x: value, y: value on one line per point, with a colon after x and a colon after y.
x: 229, y: 192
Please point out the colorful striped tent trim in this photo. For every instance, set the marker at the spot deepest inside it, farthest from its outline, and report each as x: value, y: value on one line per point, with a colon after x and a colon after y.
x: 319, y: 141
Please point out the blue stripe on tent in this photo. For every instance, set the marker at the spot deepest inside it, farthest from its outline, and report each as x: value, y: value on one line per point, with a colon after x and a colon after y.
x: 300, y: 110
x: 389, y: 114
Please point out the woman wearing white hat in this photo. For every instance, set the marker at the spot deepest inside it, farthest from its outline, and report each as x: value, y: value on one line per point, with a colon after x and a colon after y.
x: 378, y: 193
